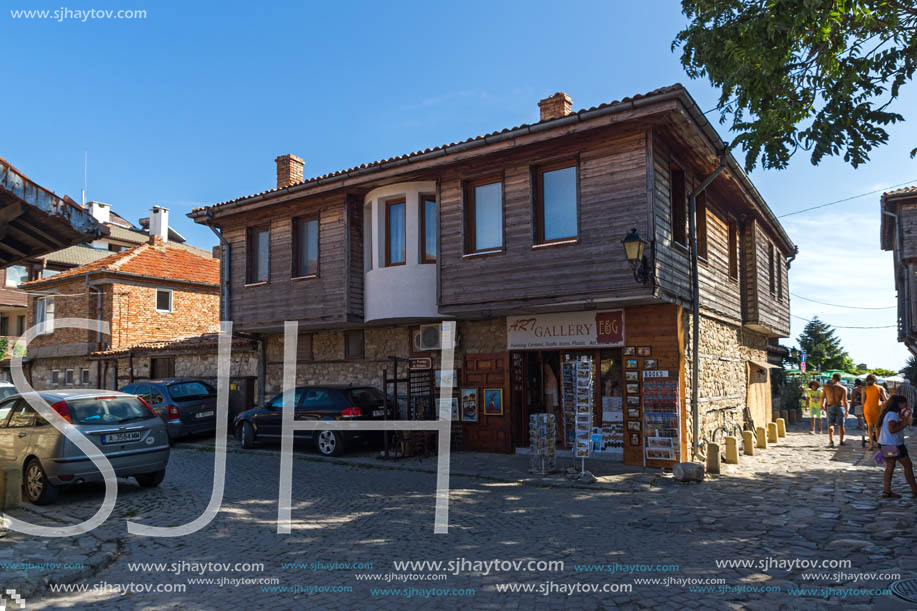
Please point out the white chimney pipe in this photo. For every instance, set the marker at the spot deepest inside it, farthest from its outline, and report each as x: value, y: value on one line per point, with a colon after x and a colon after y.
x: 159, y: 223
x: 100, y: 211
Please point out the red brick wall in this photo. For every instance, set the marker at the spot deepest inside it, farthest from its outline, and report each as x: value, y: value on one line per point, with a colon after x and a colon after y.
x: 72, y: 300
x: 134, y: 318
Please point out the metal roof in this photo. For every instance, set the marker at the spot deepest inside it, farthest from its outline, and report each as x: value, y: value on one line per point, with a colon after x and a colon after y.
x: 34, y: 221
x: 76, y: 255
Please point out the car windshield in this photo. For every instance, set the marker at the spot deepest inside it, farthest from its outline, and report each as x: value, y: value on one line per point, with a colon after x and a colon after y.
x: 190, y: 391
x: 366, y: 397
x: 107, y: 410
x: 7, y: 391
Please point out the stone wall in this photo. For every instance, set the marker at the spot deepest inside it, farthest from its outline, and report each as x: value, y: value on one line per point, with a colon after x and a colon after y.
x: 191, y: 365
x: 725, y: 349
x: 329, y: 365
x: 40, y: 372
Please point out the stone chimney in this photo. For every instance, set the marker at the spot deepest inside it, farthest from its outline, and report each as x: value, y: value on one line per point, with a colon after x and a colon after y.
x: 289, y: 170
x: 557, y: 106
x: 100, y: 211
x: 159, y: 224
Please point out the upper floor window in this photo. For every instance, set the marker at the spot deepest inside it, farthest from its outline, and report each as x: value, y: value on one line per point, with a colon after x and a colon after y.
x: 679, y: 206
x: 163, y: 300
x: 770, y: 269
x: 427, y: 229
x: 44, y: 314
x: 394, y: 224
x: 700, y: 209
x: 733, y: 249
x: 259, y: 254
x: 16, y: 274
x: 305, y: 245
x: 484, y: 217
x: 556, y: 203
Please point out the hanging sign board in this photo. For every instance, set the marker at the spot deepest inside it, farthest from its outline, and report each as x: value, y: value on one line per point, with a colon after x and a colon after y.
x: 586, y: 329
x: 421, y: 363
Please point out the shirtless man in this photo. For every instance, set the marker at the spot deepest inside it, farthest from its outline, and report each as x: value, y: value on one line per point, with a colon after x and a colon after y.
x: 834, y: 399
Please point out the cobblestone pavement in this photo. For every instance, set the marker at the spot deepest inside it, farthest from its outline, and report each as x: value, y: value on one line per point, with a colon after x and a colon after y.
x: 796, y: 501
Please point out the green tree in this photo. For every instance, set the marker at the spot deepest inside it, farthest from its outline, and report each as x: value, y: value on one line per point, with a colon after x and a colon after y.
x: 910, y: 369
x: 818, y: 75
x: 823, y: 347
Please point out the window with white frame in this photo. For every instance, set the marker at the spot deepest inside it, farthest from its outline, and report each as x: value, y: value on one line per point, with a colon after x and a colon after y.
x: 55, y: 376
x: 84, y: 377
x: 68, y: 377
x: 44, y: 315
x: 16, y: 274
x: 163, y: 300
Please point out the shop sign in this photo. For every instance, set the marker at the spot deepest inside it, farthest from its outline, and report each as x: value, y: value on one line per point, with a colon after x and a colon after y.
x: 421, y: 363
x: 655, y: 373
x: 587, y: 329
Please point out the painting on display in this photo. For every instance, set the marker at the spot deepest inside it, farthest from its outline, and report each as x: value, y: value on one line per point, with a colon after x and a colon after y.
x: 469, y: 404
x: 493, y: 401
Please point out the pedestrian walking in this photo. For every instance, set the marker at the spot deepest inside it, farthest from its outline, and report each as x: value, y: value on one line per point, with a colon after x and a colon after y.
x: 892, y: 421
x: 835, y: 400
x: 813, y: 402
x: 873, y: 398
x: 909, y: 392
x: 857, y: 402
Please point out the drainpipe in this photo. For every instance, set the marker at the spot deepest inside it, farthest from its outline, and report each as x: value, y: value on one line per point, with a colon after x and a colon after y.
x: 695, y: 300
x: 224, y: 268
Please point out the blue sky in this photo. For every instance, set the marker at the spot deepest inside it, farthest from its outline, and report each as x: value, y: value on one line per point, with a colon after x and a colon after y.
x: 190, y: 105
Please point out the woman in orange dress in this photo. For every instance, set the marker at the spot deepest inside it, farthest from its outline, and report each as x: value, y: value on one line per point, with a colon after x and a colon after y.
x: 873, y: 398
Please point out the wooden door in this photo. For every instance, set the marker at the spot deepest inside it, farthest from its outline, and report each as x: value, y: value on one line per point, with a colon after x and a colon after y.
x: 491, y: 433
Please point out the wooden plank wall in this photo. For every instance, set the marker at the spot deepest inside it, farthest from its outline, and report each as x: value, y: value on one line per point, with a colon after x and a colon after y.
x: 612, y: 172
x: 773, y: 311
x: 312, y: 301
x: 355, y: 268
x: 673, y: 269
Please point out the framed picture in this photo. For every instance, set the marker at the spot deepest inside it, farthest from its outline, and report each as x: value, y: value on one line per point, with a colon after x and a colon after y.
x: 644, y: 351
x: 634, y: 439
x: 633, y: 412
x: 469, y: 405
x: 630, y: 364
x: 650, y: 364
x: 454, y: 403
x: 633, y: 389
x: 629, y: 351
x: 633, y: 425
x: 493, y: 401
x: 633, y: 400
x: 440, y: 376
x: 631, y: 376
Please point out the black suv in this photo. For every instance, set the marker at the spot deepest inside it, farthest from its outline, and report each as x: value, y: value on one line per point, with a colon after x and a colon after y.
x: 316, y: 403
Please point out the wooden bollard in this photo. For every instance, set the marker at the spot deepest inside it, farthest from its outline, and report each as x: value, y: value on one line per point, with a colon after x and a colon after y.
x: 748, y: 442
x: 781, y: 427
x: 761, y: 436
x: 732, y: 451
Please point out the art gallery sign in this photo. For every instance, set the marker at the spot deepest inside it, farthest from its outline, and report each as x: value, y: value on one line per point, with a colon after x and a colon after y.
x: 587, y: 329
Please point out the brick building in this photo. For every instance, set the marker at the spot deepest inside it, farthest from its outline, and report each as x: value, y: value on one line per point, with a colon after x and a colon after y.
x: 154, y: 292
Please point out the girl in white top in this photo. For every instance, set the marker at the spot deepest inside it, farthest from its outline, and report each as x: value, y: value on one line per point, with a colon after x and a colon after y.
x: 892, y: 422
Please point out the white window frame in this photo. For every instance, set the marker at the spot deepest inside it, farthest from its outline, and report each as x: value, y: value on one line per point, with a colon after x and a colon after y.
x: 84, y: 377
x: 44, y: 315
x: 169, y: 291
x: 69, y: 377
x: 9, y: 283
x: 55, y: 376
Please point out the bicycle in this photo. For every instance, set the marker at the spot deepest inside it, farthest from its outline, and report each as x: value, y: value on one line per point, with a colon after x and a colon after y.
x: 728, y: 428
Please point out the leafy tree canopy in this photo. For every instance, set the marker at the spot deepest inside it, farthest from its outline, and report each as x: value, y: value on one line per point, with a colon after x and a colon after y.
x: 812, y: 74
x: 823, y: 347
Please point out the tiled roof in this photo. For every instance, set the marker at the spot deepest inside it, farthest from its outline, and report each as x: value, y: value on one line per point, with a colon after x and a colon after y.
x: 208, y: 342
x: 127, y: 235
x: 912, y: 190
x: 169, y: 261
x: 76, y: 255
x: 408, y: 156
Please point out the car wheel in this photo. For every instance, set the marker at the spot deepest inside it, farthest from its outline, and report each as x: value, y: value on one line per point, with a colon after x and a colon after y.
x: 247, y: 435
x: 151, y: 480
x: 329, y: 443
x: 36, y: 485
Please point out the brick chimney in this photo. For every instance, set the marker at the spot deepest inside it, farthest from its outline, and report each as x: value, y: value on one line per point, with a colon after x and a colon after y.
x: 557, y: 106
x: 159, y: 224
x: 289, y: 170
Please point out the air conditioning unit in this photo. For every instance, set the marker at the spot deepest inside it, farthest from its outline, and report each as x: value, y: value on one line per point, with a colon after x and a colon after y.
x: 428, y: 338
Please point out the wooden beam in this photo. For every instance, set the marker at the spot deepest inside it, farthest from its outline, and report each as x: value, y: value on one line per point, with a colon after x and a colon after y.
x: 30, y: 240
x: 39, y: 234
x: 7, y: 214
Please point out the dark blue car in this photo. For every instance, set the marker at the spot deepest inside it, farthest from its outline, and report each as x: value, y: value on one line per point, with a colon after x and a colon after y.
x: 345, y: 403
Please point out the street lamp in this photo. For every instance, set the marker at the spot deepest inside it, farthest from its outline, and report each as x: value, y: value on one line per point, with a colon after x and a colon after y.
x: 634, y: 246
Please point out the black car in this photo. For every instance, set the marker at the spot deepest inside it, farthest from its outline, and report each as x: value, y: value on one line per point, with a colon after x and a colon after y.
x: 316, y: 403
x: 188, y: 406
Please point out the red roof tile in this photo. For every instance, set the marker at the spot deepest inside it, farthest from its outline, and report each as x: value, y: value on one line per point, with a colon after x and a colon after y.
x: 166, y: 261
x: 208, y: 342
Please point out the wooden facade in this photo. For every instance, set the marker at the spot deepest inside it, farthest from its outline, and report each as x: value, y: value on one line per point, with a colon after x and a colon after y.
x: 899, y: 235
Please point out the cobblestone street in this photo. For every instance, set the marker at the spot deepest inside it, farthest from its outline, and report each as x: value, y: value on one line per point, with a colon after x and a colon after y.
x: 797, y: 500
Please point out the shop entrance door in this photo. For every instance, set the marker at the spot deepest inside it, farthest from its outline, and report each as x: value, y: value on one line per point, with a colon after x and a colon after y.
x: 488, y: 372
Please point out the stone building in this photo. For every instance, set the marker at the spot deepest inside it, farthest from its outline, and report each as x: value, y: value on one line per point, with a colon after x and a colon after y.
x: 154, y: 292
x: 565, y: 250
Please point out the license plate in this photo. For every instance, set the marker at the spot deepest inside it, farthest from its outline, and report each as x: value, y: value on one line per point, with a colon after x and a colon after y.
x: 121, y: 437
x: 378, y: 413
x: 203, y: 414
